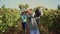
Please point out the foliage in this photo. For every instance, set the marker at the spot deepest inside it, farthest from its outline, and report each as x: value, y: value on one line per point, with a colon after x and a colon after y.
x: 8, y: 18
x: 51, y: 19
x: 21, y: 6
x: 26, y: 6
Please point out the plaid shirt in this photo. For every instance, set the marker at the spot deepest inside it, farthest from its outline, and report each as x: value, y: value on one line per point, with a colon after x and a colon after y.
x: 32, y: 22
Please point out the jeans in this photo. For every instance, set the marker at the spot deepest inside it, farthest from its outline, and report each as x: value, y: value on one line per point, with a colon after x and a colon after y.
x: 24, y: 25
x: 36, y: 31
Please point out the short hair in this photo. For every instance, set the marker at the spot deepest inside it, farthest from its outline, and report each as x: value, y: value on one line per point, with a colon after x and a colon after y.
x: 30, y: 9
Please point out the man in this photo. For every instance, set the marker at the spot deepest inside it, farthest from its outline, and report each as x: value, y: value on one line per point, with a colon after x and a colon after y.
x: 38, y: 13
x: 24, y: 20
x: 33, y: 27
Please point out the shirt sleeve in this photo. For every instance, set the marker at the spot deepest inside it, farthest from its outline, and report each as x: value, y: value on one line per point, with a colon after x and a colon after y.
x: 41, y: 12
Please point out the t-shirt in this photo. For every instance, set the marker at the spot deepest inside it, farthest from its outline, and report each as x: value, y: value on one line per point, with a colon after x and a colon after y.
x: 23, y: 18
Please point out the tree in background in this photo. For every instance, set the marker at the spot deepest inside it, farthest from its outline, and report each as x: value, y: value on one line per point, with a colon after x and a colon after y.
x: 3, y: 6
x: 58, y: 6
x: 21, y: 6
x: 26, y: 6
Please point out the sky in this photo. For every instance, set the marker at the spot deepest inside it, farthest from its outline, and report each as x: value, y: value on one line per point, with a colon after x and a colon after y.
x: 32, y: 3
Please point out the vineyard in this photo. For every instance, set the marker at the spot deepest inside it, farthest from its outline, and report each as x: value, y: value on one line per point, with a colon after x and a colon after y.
x: 10, y: 21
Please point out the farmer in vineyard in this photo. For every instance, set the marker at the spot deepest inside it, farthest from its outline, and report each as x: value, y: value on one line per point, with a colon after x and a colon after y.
x: 24, y: 20
x: 38, y: 13
x: 33, y: 26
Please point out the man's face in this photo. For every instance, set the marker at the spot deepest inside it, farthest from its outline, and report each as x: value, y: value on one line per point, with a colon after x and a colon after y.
x: 29, y: 12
